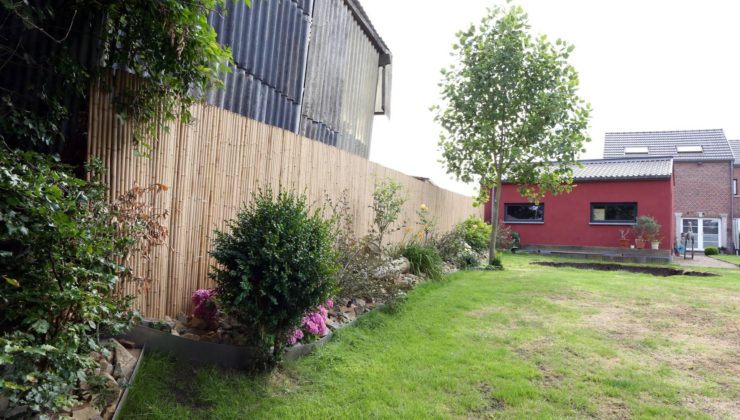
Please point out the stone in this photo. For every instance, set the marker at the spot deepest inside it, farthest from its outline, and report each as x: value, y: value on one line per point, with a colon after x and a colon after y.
x: 174, y: 332
x: 360, y: 302
x: 127, y: 344
x: 181, y: 317
x: 196, y: 323
x: 124, y: 363
x: 107, y: 367
x: 86, y: 412
x: 191, y: 336
x: 16, y: 411
x: 180, y: 328
x: 392, y: 268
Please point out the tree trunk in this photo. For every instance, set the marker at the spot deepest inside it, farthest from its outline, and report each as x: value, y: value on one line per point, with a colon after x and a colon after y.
x: 496, y: 199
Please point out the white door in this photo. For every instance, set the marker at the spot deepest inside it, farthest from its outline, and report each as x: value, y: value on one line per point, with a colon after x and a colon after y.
x: 706, y: 232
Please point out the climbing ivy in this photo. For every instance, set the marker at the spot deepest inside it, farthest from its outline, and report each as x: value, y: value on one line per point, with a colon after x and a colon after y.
x: 52, y: 50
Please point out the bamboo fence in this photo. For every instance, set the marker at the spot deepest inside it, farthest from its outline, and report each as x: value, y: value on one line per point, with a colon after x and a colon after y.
x: 212, y: 165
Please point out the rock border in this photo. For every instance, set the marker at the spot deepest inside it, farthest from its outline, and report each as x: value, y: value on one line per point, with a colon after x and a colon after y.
x: 130, y: 381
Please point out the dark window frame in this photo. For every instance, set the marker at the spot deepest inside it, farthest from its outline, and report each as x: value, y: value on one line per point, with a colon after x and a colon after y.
x: 530, y: 221
x: 611, y: 222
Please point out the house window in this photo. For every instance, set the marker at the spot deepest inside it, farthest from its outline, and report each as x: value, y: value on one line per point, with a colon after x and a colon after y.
x: 734, y: 187
x: 635, y: 150
x: 524, y: 213
x: 614, y: 213
x: 689, y: 149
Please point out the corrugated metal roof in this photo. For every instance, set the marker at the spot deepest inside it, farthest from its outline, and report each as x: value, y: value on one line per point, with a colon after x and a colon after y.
x: 629, y: 168
x: 664, y: 143
x: 735, y: 146
x: 309, y: 66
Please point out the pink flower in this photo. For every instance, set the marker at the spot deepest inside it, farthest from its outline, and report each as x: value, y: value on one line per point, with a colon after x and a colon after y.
x: 295, y: 337
x: 204, y: 304
x: 330, y: 303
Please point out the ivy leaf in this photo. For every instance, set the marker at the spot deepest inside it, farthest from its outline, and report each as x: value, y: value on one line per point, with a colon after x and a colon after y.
x: 41, y: 326
x: 12, y: 282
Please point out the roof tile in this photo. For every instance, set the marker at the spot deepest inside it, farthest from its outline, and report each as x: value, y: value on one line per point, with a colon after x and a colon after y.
x: 625, y: 168
x: 663, y: 143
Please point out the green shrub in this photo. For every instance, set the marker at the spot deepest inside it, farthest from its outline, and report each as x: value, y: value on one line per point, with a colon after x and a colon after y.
x: 711, y: 250
x: 423, y: 260
x: 360, y: 273
x: 58, y: 271
x: 505, y: 238
x: 275, y: 264
x: 646, y: 228
x: 477, y: 233
x: 453, y: 249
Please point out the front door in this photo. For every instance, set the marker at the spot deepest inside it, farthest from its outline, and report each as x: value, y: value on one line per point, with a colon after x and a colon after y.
x: 706, y: 232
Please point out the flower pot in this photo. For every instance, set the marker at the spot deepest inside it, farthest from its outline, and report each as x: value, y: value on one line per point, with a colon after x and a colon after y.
x: 624, y: 243
x: 639, y: 243
x: 655, y: 244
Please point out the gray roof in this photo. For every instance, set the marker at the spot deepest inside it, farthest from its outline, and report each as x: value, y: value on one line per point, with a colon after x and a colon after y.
x: 625, y: 168
x: 663, y: 143
x: 735, y: 145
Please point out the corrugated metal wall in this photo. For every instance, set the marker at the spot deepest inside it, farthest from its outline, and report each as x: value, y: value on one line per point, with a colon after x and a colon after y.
x: 304, y: 65
x: 269, y: 42
x: 341, y: 80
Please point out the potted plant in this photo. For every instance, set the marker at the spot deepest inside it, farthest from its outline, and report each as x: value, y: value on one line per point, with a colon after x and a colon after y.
x: 646, y: 230
x: 624, y: 241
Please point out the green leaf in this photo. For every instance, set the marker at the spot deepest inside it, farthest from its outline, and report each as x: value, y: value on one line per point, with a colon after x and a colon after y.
x: 41, y: 326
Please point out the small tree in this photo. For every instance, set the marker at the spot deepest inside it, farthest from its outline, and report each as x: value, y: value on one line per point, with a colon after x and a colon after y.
x: 511, y: 112
x: 387, y: 205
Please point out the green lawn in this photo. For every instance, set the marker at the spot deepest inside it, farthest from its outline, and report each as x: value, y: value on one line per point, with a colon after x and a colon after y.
x: 734, y: 259
x: 527, y: 342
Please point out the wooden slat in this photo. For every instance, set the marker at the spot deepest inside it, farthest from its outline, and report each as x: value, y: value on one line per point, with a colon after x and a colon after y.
x: 213, y: 165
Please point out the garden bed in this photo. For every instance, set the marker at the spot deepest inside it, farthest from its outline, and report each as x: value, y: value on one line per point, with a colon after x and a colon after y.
x: 655, y: 271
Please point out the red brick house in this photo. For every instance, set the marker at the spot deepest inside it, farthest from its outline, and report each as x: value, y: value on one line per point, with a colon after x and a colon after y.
x: 608, y: 196
x: 735, y: 145
x: 703, y: 165
x: 684, y: 179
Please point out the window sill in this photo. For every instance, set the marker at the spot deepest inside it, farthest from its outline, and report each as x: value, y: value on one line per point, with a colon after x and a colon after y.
x: 523, y: 223
x: 612, y: 223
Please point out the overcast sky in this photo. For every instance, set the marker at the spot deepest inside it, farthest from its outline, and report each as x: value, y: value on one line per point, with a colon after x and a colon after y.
x: 644, y: 65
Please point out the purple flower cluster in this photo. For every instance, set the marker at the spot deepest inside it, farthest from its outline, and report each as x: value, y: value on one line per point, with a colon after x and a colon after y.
x: 204, y: 304
x: 314, y: 323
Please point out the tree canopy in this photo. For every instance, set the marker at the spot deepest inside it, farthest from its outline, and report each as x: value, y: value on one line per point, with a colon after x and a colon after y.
x: 511, y: 110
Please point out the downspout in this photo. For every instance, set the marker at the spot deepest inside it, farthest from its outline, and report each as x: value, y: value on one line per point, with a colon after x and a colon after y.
x: 732, y: 207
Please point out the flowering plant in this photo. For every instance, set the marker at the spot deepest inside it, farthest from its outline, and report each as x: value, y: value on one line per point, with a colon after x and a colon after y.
x: 204, y: 304
x: 313, y: 326
x: 426, y: 221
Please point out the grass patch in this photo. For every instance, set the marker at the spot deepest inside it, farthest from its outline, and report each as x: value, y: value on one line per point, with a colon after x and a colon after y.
x: 527, y: 341
x: 733, y: 259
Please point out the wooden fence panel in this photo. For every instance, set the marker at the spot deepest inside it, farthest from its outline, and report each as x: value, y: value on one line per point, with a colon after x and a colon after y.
x: 213, y: 164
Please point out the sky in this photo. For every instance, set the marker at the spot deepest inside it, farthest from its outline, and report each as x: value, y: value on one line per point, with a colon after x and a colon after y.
x: 643, y: 65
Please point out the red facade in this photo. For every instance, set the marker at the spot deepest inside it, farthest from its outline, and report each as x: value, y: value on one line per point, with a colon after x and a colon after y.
x: 567, y: 217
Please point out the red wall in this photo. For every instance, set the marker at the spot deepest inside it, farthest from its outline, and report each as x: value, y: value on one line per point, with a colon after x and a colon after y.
x: 567, y: 216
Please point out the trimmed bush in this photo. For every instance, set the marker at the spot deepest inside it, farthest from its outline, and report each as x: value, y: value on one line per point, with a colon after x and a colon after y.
x: 58, y: 271
x: 711, y: 250
x: 423, y: 260
x: 477, y: 233
x: 273, y: 267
